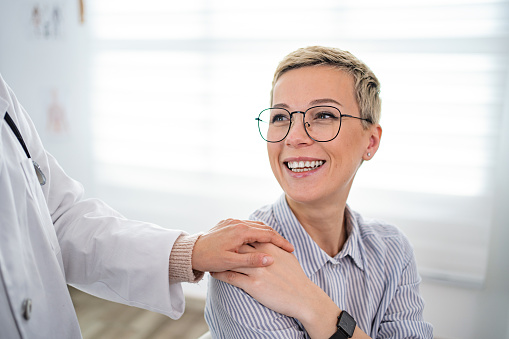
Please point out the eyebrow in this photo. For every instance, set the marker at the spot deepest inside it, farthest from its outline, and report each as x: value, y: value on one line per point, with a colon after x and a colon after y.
x: 313, y: 103
x: 324, y: 101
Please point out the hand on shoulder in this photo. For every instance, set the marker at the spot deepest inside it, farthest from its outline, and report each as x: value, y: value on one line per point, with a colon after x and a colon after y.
x: 218, y: 249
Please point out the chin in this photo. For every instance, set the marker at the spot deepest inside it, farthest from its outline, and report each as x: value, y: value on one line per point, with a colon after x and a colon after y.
x: 300, y: 196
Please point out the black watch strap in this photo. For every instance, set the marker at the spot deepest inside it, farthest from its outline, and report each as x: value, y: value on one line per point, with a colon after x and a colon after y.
x: 346, y: 326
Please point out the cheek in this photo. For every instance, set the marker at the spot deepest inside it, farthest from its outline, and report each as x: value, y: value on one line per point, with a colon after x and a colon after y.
x: 346, y: 156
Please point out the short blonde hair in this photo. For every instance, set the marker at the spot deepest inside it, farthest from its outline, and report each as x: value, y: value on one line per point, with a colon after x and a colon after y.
x: 367, y: 86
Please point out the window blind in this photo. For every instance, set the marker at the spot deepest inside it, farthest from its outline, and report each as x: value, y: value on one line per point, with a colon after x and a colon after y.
x: 180, y: 83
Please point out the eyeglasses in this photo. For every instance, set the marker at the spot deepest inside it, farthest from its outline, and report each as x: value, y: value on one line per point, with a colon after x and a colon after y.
x: 321, y: 123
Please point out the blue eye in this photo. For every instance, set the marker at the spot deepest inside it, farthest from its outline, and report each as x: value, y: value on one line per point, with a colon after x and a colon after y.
x: 280, y: 118
x: 324, y: 115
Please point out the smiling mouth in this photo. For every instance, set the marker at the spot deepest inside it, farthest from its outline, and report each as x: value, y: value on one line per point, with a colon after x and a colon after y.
x: 303, y: 166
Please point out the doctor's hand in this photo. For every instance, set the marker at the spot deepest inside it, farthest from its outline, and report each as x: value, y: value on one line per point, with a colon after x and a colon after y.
x: 218, y: 249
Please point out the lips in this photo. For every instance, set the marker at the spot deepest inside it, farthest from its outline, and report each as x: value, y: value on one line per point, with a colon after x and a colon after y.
x: 303, y: 166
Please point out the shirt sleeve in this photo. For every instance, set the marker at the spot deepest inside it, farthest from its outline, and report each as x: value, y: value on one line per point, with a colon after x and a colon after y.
x: 232, y: 313
x: 403, y: 317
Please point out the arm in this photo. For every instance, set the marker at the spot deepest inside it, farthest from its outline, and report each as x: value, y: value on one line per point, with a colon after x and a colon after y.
x: 112, y: 257
x: 231, y: 313
x: 218, y: 249
x: 403, y: 317
x: 109, y: 256
x: 284, y: 288
x: 96, y: 248
x: 281, y: 288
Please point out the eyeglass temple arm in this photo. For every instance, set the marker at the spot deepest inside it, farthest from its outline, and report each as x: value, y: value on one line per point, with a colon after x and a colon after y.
x: 351, y: 116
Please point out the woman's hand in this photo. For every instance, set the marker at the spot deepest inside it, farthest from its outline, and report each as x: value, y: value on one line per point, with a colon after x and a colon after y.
x: 276, y: 288
x: 285, y: 288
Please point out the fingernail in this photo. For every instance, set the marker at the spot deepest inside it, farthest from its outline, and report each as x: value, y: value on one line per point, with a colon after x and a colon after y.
x: 265, y: 260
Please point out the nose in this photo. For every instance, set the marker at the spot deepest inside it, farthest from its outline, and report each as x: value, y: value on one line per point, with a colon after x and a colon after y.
x: 297, y: 134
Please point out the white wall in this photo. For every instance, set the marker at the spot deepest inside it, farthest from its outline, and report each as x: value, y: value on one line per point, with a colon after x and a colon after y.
x: 459, y: 312
x: 33, y: 66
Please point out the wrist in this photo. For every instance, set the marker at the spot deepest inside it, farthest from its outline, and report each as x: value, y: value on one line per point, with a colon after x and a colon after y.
x: 320, y: 317
x: 181, y: 269
x: 345, y: 326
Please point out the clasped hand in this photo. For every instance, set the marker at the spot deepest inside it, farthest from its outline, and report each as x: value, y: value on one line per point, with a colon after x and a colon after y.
x: 218, y: 249
x: 282, y: 286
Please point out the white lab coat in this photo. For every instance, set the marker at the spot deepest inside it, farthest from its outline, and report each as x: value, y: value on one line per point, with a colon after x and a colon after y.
x: 50, y: 236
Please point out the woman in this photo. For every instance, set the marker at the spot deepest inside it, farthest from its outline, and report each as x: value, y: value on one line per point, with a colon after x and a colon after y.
x: 348, y: 277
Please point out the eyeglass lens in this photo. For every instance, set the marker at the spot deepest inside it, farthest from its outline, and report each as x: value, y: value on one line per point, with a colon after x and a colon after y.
x: 322, y: 123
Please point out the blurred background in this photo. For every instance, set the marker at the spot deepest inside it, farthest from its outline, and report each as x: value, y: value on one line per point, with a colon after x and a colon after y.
x: 151, y: 105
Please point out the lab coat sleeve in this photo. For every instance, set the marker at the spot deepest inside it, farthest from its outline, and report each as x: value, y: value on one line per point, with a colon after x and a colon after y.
x: 101, y: 252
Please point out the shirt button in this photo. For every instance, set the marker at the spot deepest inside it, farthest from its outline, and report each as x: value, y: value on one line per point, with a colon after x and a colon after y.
x: 27, y: 308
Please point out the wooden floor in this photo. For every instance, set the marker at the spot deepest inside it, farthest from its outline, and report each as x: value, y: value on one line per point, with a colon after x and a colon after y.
x: 101, y: 319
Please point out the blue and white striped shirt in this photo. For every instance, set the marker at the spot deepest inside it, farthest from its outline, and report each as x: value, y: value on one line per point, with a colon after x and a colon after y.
x: 374, y: 278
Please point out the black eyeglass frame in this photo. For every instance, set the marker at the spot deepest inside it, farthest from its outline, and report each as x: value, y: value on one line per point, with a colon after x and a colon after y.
x: 341, y: 116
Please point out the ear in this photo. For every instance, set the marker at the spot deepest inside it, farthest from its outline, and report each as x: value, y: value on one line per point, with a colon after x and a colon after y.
x: 375, y: 134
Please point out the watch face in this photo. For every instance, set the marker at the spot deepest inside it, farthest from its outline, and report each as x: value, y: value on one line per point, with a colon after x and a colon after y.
x: 347, y: 323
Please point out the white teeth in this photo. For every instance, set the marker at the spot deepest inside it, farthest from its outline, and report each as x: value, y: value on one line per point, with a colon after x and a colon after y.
x: 301, y: 166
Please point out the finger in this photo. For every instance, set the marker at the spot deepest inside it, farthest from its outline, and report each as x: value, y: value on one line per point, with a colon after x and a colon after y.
x: 251, y: 223
x: 257, y: 224
x: 247, y: 271
x: 267, y: 235
x: 238, y: 226
x: 233, y: 278
x: 248, y: 248
x: 246, y: 260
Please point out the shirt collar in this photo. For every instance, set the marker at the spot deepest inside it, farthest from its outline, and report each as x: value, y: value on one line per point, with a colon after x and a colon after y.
x: 311, y: 257
x: 353, y: 246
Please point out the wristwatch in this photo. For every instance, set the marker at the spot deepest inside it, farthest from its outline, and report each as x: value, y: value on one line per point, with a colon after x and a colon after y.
x: 346, y: 326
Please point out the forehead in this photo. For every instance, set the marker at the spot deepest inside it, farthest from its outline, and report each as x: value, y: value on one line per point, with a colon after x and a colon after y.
x: 302, y: 85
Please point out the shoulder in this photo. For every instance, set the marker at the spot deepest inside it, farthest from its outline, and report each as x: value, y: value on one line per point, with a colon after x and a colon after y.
x: 10, y: 104
x: 266, y: 215
x: 382, y: 239
x: 232, y: 313
x: 7, y: 97
x: 263, y: 212
x: 7, y: 100
x: 376, y: 228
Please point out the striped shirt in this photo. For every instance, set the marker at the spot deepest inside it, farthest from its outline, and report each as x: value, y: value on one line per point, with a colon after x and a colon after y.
x: 374, y: 278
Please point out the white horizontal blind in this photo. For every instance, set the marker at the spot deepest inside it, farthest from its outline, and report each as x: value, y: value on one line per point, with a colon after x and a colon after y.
x: 176, y: 87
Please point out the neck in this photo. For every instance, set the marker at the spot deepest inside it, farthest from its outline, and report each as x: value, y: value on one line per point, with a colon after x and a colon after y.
x: 323, y: 222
